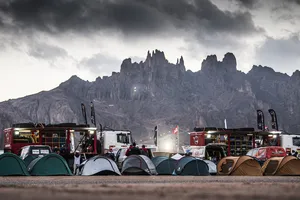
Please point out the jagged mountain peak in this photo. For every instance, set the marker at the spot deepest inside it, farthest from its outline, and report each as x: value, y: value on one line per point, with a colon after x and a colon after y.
x: 74, y: 79
x: 265, y: 71
x: 296, y: 73
x: 212, y: 65
x: 260, y: 68
x: 296, y: 76
x: 181, y: 61
x: 156, y: 92
x: 229, y: 61
x: 153, y: 62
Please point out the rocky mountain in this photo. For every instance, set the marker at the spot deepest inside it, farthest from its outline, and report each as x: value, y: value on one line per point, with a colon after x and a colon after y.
x: 156, y: 92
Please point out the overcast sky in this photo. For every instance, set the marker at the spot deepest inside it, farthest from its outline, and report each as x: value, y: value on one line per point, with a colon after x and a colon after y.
x: 45, y: 42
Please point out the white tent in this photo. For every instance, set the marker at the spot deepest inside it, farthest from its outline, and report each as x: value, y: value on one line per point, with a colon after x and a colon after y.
x: 177, y: 156
x: 99, y: 165
x: 212, y: 166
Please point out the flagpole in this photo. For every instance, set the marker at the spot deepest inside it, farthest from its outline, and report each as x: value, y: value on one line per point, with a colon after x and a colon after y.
x: 178, y: 139
x: 157, y: 140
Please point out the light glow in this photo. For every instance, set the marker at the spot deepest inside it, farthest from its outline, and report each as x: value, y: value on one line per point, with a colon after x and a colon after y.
x: 275, y: 132
x: 211, y: 131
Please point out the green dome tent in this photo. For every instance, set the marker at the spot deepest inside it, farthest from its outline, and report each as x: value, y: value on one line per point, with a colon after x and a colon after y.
x: 164, y: 165
x: 12, y: 165
x: 190, y: 166
x: 49, y: 165
x: 29, y: 158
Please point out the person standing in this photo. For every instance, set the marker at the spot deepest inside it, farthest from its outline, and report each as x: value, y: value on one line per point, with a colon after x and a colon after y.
x: 134, y: 150
x: 144, y: 151
x: 127, y: 152
x: 77, y: 161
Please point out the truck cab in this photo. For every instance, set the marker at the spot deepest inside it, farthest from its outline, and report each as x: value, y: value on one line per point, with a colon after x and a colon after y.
x: 115, y: 139
x: 290, y: 142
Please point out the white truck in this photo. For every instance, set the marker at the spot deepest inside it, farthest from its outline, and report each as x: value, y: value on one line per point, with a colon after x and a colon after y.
x: 290, y: 142
x: 115, y: 139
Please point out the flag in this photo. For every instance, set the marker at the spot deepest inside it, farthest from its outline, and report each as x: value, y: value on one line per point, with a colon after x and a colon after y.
x: 175, y: 130
x: 274, y: 119
x: 93, y: 116
x: 260, y: 120
x: 83, y: 113
x: 155, y: 135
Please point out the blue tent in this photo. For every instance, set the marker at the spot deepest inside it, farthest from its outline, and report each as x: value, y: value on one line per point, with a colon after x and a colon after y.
x: 192, y: 166
x: 164, y: 165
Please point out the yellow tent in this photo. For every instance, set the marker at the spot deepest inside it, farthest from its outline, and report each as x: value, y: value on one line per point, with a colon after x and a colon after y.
x: 239, y: 166
x: 282, y: 166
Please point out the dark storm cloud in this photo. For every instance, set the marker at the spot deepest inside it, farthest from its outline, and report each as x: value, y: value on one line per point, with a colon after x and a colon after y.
x: 46, y: 52
x: 247, y: 3
x: 280, y: 54
x: 286, y: 11
x: 129, y: 16
x: 294, y: 1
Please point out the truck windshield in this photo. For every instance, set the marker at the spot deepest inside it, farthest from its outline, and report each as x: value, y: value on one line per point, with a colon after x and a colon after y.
x: 296, y: 141
x: 124, y: 138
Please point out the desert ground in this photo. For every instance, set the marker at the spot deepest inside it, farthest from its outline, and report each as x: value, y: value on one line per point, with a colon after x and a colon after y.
x: 149, y: 187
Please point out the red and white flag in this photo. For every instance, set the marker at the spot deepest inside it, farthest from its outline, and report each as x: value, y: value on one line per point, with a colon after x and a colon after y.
x: 175, y: 130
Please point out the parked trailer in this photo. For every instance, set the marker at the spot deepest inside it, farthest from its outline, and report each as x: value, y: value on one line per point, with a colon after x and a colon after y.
x: 65, y: 139
x: 236, y: 141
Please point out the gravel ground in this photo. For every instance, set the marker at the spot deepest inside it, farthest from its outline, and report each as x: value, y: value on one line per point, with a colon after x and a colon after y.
x: 149, y: 187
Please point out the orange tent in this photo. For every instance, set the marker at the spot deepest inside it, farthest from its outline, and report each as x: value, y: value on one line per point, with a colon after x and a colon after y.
x: 282, y: 166
x: 239, y: 166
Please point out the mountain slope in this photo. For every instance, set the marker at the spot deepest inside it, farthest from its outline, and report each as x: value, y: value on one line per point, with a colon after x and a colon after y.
x: 156, y: 92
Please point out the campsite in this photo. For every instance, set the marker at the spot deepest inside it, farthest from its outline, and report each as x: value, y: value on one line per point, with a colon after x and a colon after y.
x: 54, y: 165
x: 98, y: 163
